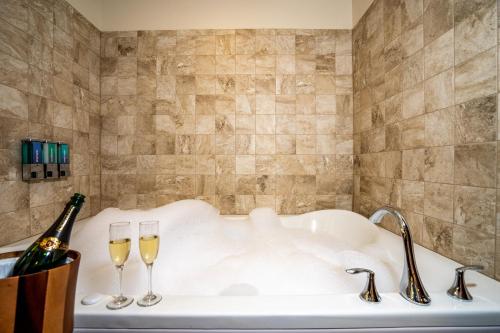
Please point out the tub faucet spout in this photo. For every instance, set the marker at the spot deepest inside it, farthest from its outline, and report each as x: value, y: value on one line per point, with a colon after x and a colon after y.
x: 410, y: 287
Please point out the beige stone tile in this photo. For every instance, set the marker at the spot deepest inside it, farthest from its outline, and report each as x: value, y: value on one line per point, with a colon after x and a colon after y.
x: 205, y: 84
x: 265, y: 84
x: 265, y: 64
x: 439, y: 91
x: 306, y: 84
x: 225, y: 44
x: 265, y: 104
x: 476, y: 77
x: 475, y: 120
x: 245, y: 164
x: 245, y: 124
x: 325, y: 84
x: 438, y: 201
x: 439, y: 54
x: 392, y: 19
x: 245, y: 64
x: 225, y: 84
x: 205, y: 45
x: 285, y: 144
x: 413, y: 164
x: 305, y: 64
x: 413, y: 101
x: 14, y: 226
x: 438, y: 18
x: 265, y: 144
x: 413, y: 70
x: 412, y: 196
x: 413, y: 131
x: 437, y: 235
x: 186, y: 165
x: 245, y: 41
x: 411, y: 13
x: 306, y: 104
x: 224, y: 124
x: 440, y: 127
x: 16, y: 13
x: 245, y: 144
x: 474, y: 165
x: 265, y: 124
x: 204, y: 64
x: 305, y: 144
x: 412, y: 40
x: 40, y: 27
x: 285, y: 104
x: 473, y: 247
x: 286, y: 85
x: 475, y: 208
x: 225, y: 104
x: 305, y: 44
x: 224, y: 144
x: 13, y: 103
x: 244, y: 84
x: 474, y: 29
x: 265, y: 44
x: 285, y: 64
x: 439, y: 164
x: 285, y: 44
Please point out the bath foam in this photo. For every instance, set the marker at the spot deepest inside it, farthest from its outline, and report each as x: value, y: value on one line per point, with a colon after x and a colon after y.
x: 204, y: 253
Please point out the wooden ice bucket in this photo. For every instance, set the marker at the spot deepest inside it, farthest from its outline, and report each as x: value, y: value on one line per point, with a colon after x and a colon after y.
x: 40, y: 302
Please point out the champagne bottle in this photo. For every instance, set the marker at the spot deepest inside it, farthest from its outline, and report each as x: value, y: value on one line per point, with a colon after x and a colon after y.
x: 49, y: 249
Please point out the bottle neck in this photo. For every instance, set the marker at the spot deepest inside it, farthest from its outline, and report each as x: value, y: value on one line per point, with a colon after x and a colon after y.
x: 67, y: 216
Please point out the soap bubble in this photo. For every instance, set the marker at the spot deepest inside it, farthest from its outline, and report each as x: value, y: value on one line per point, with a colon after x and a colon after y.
x: 204, y: 253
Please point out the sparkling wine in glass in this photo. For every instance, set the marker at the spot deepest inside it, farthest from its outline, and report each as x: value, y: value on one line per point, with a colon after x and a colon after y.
x: 119, y: 250
x: 149, y: 242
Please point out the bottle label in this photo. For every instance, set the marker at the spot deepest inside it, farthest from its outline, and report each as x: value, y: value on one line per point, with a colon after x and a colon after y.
x: 51, y: 243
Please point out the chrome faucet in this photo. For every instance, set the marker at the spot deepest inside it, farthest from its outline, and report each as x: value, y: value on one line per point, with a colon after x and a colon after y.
x: 410, y: 287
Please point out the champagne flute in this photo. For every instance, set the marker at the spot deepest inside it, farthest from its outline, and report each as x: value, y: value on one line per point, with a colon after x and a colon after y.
x: 149, y: 242
x: 119, y: 250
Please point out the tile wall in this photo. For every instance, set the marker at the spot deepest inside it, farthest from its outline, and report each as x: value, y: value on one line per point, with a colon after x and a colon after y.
x: 425, y: 122
x: 49, y: 89
x: 239, y: 118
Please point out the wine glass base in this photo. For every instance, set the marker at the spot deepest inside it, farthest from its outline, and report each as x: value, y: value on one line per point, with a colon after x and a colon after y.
x: 119, y: 302
x: 149, y: 300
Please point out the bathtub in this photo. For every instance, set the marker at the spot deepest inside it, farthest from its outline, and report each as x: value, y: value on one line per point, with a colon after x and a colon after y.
x: 298, y: 302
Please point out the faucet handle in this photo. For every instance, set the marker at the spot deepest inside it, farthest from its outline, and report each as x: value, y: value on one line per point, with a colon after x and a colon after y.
x: 459, y: 288
x: 369, y: 294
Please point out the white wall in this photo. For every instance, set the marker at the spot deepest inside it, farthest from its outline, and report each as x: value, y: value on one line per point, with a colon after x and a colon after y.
x: 91, y: 9
x: 110, y: 15
x: 359, y: 7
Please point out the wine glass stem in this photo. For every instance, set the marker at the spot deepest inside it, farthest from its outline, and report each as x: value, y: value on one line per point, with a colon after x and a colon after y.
x: 120, y: 274
x: 150, y: 273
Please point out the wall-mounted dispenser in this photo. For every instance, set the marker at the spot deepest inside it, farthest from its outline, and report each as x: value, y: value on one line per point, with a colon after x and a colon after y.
x: 42, y: 159
x: 50, y: 159
x: 32, y: 159
x: 63, y: 159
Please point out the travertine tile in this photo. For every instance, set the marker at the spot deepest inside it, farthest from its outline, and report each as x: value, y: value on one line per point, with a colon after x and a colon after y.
x: 473, y: 247
x: 440, y: 127
x: 413, y: 164
x: 474, y: 165
x: 475, y: 120
x: 475, y: 208
x: 439, y: 91
x: 438, y: 18
x: 476, y: 77
x: 438, y: 201
x: 437, y: 235
x: 475, y: 29
x: 438, y: 55
x: 439, y: 164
